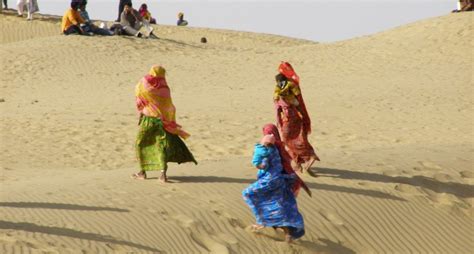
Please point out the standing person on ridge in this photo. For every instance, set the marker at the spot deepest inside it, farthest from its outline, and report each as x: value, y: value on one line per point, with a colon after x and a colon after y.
x: 31, y: 7
x: 293, y: 121
x: 159, y: 137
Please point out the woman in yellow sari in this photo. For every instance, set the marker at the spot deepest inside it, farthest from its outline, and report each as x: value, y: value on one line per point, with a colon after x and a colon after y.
x: 159, y: 137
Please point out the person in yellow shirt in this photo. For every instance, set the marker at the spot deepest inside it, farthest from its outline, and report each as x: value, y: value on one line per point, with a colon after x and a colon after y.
x: 72, y: 20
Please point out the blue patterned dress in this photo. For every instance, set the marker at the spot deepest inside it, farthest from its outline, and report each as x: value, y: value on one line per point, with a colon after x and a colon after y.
x: 270, y: 197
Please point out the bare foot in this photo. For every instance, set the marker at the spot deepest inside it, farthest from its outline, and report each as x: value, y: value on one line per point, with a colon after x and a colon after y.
x: 288, y: 237
x: 163, y: 178
x: 139, y: 176
x: 298, y: 168
x: 313, y: 172
x: 309, y: 164
x: 256, y: 227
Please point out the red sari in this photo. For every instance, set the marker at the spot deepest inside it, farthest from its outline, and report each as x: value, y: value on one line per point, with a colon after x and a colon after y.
x: 271, y: 129
x: 293, y: 120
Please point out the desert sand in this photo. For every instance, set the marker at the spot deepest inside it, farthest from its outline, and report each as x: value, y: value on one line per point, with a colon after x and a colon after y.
x: 392, y: 117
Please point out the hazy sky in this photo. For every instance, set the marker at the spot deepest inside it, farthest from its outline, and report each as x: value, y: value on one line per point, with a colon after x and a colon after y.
x: 318, y: 20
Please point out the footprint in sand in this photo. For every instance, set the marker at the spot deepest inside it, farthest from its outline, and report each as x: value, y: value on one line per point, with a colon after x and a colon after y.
x: 331, y: 217
x: 442, y: 199
x: 406, y: 188
x: 203, y: 237
x: 467, y: 174
x: 441, y: 177
x: 430, y: 165
x: 236, y: 223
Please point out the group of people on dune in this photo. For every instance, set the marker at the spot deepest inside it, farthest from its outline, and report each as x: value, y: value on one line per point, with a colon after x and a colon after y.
x: 283, y: 149
x: 130, y: 21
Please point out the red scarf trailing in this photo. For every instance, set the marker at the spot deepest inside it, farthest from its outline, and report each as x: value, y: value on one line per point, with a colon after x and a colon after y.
x: 271, y: 129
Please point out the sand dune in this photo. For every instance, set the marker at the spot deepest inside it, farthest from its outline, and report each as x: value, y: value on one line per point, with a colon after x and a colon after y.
x: 392, y: 119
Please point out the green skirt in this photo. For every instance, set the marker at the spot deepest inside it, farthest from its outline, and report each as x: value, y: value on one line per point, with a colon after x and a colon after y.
x: 156, y: 147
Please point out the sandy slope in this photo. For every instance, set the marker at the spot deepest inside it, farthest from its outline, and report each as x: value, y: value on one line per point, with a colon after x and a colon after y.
x: 392, y: 118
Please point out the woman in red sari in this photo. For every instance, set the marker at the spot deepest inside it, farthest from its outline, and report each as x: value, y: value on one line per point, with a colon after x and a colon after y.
x: 293, y: 121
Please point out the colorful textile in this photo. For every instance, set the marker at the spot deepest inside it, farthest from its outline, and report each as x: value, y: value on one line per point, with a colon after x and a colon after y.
x: 287, y: 70
x: 71, y: 17
x: 287, y: 91
x: 292, y: 94
x: 293, y: 119
x: 293, y: 132
x: 144, y: 12
x: 156, y: 147
x: 271, y: 129
x: 270, y: 197
x: 153, y: 99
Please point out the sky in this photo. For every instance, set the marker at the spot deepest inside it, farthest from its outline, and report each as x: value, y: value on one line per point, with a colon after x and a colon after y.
x: 316, y: 20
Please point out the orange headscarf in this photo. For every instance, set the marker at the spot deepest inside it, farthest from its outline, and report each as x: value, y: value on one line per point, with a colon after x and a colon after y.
x: 153, y: 99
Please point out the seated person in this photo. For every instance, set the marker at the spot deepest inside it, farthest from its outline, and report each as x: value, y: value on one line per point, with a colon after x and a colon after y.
x: 132, y: 21
x: 88, y: 26
x: 146, y: 14
x: 72, y: 20
x: 181, y: 21
x: 465, y: 5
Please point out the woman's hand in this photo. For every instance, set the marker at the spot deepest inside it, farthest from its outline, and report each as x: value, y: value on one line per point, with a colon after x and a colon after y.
x: 140, y: 118
x: 264, y: 163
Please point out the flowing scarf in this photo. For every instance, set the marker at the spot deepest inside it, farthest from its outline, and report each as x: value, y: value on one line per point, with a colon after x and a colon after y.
x: 271, y: 129
x: 153, y: 99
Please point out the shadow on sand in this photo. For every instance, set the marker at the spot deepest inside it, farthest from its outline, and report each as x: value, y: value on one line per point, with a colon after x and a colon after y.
x: 329, y: 247
x: 317, y: 186
x: 60, y: 206
x: 34, y: 228
x: 458, y: 189
x: 321, y: 246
